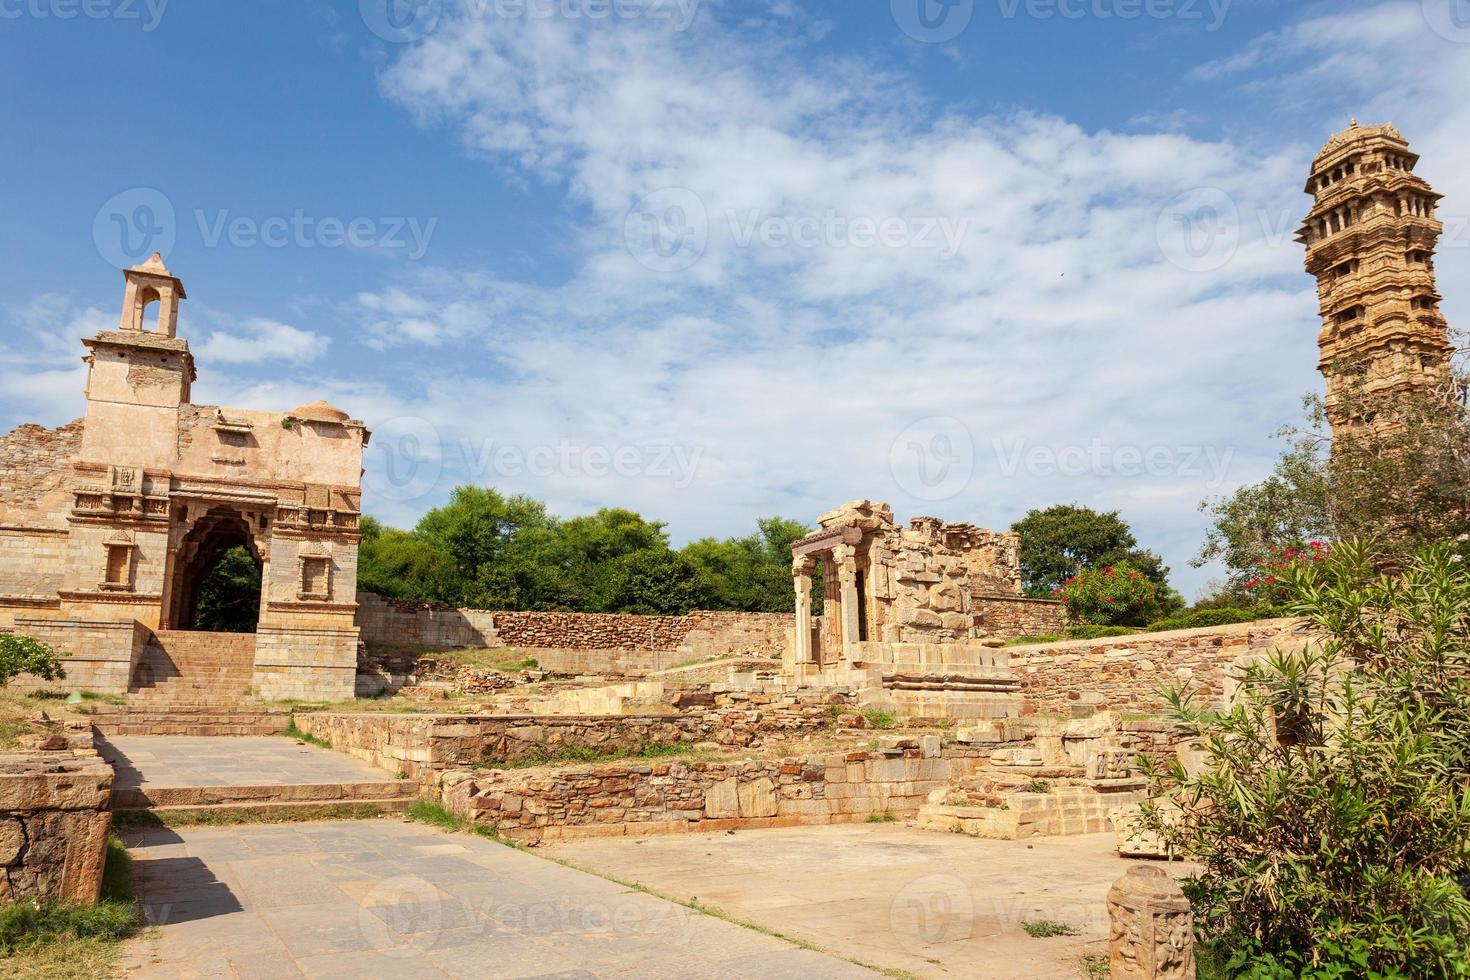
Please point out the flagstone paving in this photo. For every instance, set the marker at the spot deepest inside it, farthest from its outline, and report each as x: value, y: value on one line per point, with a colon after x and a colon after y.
x: 236, y: 760
x: 389, y: 899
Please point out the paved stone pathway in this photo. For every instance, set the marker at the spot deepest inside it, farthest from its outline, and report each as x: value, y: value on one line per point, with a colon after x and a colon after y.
x: 239, y: 760
x: 932, y: 904
x: 388, y: 899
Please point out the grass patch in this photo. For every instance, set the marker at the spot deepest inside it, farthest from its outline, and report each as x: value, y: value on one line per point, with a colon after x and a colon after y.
x: 1021, y: 641
x: 1047, y: 928
x: 227, y: 816
x: 878, y: 718
x: 434, y: 814
x: 572, y: 754
x: 884, y: 817
x: 293, y: 732
x: 1095, y: 967
x: 52, y: 939
x: 96, y: 696
x: 1038, y: 786
x: 505, y: 659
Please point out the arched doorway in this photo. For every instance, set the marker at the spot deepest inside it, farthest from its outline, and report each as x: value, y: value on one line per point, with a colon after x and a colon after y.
x: 217, y: 576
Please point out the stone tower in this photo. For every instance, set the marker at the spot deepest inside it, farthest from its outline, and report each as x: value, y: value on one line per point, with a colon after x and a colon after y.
x: 1370, y: 240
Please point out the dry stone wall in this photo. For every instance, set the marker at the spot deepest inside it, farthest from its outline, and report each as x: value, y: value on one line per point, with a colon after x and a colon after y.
x: 395, y: 623
x: 1003, y: 617
x: 34, y: 463
x: 636, y: 798
x: 1080, y: 677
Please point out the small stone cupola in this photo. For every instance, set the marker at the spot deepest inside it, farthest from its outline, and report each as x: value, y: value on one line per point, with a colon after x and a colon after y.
x: 147, y: 284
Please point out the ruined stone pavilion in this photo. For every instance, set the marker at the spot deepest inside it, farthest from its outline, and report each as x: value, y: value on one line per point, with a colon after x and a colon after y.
x: 109, y: 525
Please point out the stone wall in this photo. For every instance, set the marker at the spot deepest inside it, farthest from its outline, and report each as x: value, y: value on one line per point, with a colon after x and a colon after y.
x: 425, y: 745
x: 34, y: 463
x: 643, y: 797
x: 97, y: 655
x: 395, y: 623
x: 1006, y: 616
x: 53, y: 825
x: 1079, y: 677
x: 309, y: 663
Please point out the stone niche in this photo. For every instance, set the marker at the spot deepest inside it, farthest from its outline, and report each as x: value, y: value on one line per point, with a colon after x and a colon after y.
x: 53, y: 825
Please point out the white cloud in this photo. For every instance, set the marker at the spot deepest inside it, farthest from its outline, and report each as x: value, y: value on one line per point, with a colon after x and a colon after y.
x: 258, y: 340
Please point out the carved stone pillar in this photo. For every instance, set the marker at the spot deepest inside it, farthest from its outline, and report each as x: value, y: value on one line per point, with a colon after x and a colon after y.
x: 802, y: 570
x: 1152, y: 930
x: 845, y: 558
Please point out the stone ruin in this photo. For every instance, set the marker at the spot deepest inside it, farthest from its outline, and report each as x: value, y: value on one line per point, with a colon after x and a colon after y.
x: 109, y: 525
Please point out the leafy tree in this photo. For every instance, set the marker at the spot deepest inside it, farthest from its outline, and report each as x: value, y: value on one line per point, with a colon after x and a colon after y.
x: 229, y: 596
x: 751, y: 573
x: 652, y: 583
x: 1060, y: 541
x: 1405, y: 486
x: 1114, y: 595
x: 1331, y: 817
x: 401, y: 565
x: 24, y: 655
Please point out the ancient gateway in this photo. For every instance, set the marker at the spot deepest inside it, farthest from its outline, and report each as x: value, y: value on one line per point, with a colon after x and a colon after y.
x: 109, y: 525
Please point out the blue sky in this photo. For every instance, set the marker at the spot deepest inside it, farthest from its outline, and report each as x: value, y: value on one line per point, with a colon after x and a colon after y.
x: 719, y: 260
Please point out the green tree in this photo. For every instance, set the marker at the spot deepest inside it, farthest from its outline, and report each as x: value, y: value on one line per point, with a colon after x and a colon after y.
x: 401, y: 565
x: 750, y: 573
x: 24, y: 655
x: 1113, y: 595
x: 1060, y: 541
x: 652, y: 583
x: 1331, y: 817
x: 1405, y: 486
x: 228, y: 600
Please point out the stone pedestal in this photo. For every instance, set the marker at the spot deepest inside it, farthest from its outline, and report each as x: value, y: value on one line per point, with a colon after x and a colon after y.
x: 53, y: 825
x: 1152, y: 931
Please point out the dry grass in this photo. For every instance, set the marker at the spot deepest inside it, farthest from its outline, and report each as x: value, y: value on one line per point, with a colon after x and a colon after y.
x: 17, y: 709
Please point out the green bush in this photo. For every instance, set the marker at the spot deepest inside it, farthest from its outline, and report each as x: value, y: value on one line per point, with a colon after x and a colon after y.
x: 23, y: 655
x: 116, y: 916
x: 1202, y: 618
x: 1091, y: 632
x: 1114, y: 595
x: 1332, y: 816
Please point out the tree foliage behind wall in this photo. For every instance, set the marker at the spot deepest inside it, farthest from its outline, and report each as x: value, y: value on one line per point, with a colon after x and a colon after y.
x: 487, y: 550
x: 229, y: 596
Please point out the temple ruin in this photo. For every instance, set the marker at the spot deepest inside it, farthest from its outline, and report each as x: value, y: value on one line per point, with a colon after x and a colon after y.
x: 109, y: 525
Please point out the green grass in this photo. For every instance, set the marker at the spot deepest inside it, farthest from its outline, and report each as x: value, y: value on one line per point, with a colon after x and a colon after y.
x: 878, y: 718
x: 434, y: 814
x: 1047, y: 928
x: 51, y: 939
x: 1095, y: 967
x: 1021, y: 641
x: 572, y: 754
x: 1038, y: 786
x: 883, y: 817
x: 86, y: 696
x: 293, y: 732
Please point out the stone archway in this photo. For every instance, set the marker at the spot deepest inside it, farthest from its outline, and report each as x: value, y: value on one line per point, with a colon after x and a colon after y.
x: 207, y: 540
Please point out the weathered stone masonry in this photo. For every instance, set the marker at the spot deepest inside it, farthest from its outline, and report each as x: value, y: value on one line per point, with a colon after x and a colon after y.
x: 54, y: 819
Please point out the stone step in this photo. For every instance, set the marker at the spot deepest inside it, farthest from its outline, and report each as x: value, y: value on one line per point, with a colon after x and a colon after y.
x: 270, y: 812
x: 163, y: 718
x: 154, y: 797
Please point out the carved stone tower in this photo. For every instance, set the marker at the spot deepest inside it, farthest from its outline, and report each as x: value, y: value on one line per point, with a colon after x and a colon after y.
x: 1370, y: 239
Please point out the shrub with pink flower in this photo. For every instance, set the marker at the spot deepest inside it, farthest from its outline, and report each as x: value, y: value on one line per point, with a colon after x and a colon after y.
x: 1114, y: 595
x: 1267, y: 586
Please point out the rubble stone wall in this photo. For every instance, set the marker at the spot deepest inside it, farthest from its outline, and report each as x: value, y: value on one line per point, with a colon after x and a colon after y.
x: 53, y: 825
x: 1079, y: 677
x: 395, y: 623
x: 1003, y: 617
x: 425, y: 745
x: 635, y: 798
x: 34, y: 464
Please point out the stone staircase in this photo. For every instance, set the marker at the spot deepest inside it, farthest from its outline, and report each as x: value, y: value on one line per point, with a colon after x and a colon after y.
x: 290, y: 801
x: 164, y: 718
x: 179, y: 667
